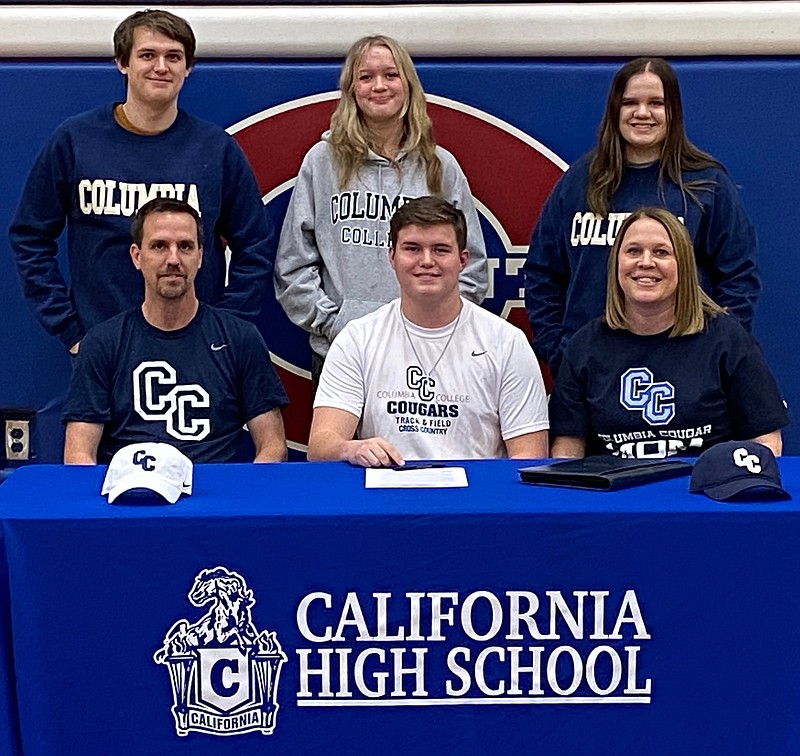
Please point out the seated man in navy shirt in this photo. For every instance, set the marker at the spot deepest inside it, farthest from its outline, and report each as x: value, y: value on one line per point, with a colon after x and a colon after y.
x: 174, y: 369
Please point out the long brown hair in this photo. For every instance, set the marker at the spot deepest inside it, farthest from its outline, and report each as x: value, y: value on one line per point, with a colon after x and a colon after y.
x: 350, y: 139
x: 678, y: 154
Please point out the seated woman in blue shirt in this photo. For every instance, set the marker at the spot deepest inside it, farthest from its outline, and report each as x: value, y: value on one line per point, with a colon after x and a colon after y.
x: 666, y: 371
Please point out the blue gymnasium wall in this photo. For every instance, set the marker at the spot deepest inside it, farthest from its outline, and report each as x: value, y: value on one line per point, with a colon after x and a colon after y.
x: 741, y: 110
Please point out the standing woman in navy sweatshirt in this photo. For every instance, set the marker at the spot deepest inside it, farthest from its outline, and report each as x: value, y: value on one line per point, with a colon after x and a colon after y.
x: 642, y: 157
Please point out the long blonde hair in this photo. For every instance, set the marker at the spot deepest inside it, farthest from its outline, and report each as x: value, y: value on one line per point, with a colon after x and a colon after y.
x: 350, y: 138
x: 692, y: 304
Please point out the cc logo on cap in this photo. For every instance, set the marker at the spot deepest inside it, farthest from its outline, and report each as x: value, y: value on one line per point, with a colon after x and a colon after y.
x: 144, y: 460
x: 742, y: 459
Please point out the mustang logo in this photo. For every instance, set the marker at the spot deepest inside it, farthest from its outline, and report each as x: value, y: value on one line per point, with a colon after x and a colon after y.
x: 224, y: 673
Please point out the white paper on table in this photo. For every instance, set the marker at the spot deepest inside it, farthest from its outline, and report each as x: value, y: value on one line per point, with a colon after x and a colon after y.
x: 424, y: 477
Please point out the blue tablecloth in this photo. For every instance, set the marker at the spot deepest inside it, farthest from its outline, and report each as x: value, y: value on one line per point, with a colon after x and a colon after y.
x: 326, y: 618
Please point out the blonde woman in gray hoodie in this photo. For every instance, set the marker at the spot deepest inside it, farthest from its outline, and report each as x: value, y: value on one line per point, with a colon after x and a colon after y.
x: 332, y: 264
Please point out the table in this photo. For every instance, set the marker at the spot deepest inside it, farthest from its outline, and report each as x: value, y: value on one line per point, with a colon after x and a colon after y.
x: 325, y: 618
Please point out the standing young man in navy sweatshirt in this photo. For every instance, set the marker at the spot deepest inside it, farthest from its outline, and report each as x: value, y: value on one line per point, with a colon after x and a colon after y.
x: 99, y: 167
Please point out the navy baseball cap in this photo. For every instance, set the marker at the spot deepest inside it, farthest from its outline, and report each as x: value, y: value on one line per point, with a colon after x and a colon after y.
x: 739, y: 470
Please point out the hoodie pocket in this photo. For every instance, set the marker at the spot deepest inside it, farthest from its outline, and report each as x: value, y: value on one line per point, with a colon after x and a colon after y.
x: 350, y: 310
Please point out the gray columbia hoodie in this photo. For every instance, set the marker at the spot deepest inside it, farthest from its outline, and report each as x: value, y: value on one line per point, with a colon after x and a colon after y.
x: 332, y: 264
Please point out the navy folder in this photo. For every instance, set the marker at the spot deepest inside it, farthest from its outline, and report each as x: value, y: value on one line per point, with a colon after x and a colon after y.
x: 604, y: 473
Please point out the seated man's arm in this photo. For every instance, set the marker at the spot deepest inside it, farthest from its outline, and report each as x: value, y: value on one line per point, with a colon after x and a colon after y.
x: 331, y: 438
x: 268, y: 436
x: 773, y: 441
x: 81, y: 442
x: 528, y: 446
x: 573, y: 447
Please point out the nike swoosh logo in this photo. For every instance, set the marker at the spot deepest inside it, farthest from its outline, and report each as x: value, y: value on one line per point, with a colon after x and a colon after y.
x: 217, y: 347
x: 479, y: 354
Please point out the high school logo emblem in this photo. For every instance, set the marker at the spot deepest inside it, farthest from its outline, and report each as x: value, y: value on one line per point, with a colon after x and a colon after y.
x: 224, y: 672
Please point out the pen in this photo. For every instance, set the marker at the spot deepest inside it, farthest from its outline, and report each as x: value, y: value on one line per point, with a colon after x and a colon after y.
x: 400, y: 468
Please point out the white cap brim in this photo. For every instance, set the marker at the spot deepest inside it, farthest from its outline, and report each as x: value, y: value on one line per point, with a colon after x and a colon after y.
x: 155, y: 483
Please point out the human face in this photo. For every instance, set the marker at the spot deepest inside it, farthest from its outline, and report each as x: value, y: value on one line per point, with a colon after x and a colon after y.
x: 380, y: 91
x: 169, y: 257
x: 156, y: 68
x: 647, y: 269
x: 643, y: 118
x: 428, y: 262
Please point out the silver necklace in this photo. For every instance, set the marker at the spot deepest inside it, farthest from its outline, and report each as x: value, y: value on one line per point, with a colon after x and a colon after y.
x: 429, y: 373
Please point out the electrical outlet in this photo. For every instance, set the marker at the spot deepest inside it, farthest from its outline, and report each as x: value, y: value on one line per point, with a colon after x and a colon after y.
x: 18, y: 440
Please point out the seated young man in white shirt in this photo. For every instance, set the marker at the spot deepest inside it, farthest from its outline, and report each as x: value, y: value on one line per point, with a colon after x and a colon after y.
x: 429, y: 375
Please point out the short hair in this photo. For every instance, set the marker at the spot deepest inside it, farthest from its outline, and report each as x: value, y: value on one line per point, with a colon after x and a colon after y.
x: 163, y: 205
x: 161, y: 21
x: 692, y: 304
x: 429, y: 211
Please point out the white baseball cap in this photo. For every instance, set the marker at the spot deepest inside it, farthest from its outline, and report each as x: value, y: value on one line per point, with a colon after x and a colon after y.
x: 157, y: 467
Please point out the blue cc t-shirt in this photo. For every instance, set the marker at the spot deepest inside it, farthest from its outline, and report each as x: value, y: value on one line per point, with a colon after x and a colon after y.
x: 193, y: 388
x: 655, y: 396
